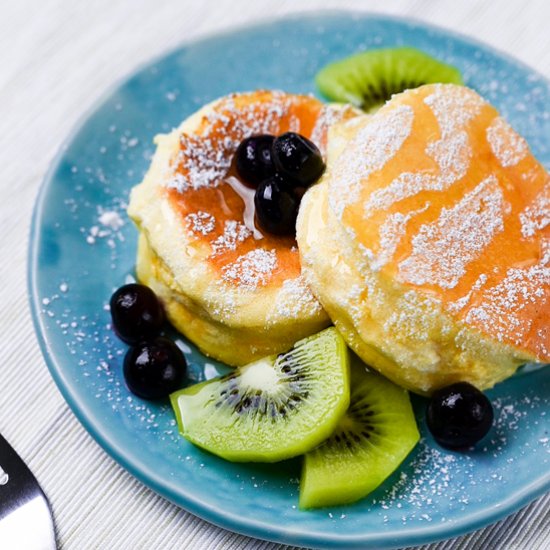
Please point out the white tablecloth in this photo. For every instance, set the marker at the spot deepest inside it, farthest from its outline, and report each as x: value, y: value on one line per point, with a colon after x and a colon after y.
x: 56, y: 58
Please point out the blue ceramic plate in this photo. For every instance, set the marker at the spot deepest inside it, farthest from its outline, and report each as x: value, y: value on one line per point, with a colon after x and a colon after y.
x: 83, y: 247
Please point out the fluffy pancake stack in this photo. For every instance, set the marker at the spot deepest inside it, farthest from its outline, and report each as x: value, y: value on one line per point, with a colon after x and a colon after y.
x: 427, y: 241
x: 235, y: 292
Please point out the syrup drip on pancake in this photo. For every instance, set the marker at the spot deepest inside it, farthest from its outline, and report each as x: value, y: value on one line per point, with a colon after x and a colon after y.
x: 247, y: 195
x: 467, y: 226
x: 201, y: 183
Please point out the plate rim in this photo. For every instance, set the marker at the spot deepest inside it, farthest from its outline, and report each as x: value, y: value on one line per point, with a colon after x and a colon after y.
x: 220, y: 517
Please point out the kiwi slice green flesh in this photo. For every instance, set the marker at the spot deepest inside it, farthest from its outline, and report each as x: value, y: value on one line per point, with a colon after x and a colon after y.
x: 371, y: 440
x: 368, y: 79
x: 272, y: 409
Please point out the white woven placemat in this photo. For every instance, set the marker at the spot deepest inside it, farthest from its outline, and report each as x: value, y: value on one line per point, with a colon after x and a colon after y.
x: 56, y: 58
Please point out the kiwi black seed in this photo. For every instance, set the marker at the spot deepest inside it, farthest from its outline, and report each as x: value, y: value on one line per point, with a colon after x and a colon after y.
x: 368, y: 79
x: 360, y: 426
x: 271, y: 409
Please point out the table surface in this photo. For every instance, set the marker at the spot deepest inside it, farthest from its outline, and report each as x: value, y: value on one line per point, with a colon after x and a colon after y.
x: 56, y: 58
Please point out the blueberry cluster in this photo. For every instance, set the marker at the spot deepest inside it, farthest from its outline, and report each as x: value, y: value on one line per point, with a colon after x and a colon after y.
x: 280, y: 168
x: 154, y: 366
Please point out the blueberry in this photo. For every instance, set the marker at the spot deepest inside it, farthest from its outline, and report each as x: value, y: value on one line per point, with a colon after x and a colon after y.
x: 459, y: 415
x: 154, y: 369
x: 253, y: 159
x: 297, y: 158
x: 276, y: 207
x: 136, y: 312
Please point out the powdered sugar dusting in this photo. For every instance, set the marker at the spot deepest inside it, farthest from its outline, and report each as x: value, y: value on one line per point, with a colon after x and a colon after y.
x: 111, y: 219
x: 234, y: 233
x: 252, y: 269
x: 205, y: 156
x: 373, y: 146
x: 452, y: 154
x: 461, y: 303
x: 391, y: 232
x: 536, y: 216
x: 295, y: 300
x: 442, y: 249
x: 330, y: 114
x: 200, y: 163
x: 502, y: 306
x: 201, y: 222
x: 405, y: 185
x: 507, y: 146
x: 454, y: 107
x: 108, y: 228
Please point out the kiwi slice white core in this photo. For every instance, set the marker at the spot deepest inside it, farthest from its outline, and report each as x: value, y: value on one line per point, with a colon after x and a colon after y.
x: 261, y: 376
x: 272, y: 409
x: 369, y: 79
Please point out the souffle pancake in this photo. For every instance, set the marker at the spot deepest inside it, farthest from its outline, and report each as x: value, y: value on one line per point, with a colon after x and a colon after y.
x: 427, y: 240
x: 235, y: 291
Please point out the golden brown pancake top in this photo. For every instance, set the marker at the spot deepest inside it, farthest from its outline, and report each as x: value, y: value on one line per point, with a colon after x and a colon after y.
x: 442, y: 195
x: 212, y: 210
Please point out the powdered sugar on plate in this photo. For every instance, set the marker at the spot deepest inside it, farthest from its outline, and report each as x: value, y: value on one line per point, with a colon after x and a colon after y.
x: 108, y: 227
x: 427, y: 484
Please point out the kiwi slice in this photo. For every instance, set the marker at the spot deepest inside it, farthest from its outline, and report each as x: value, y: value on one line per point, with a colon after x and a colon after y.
x: 368, y: 79
x: 272, y: 409
x: 372, y: 439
